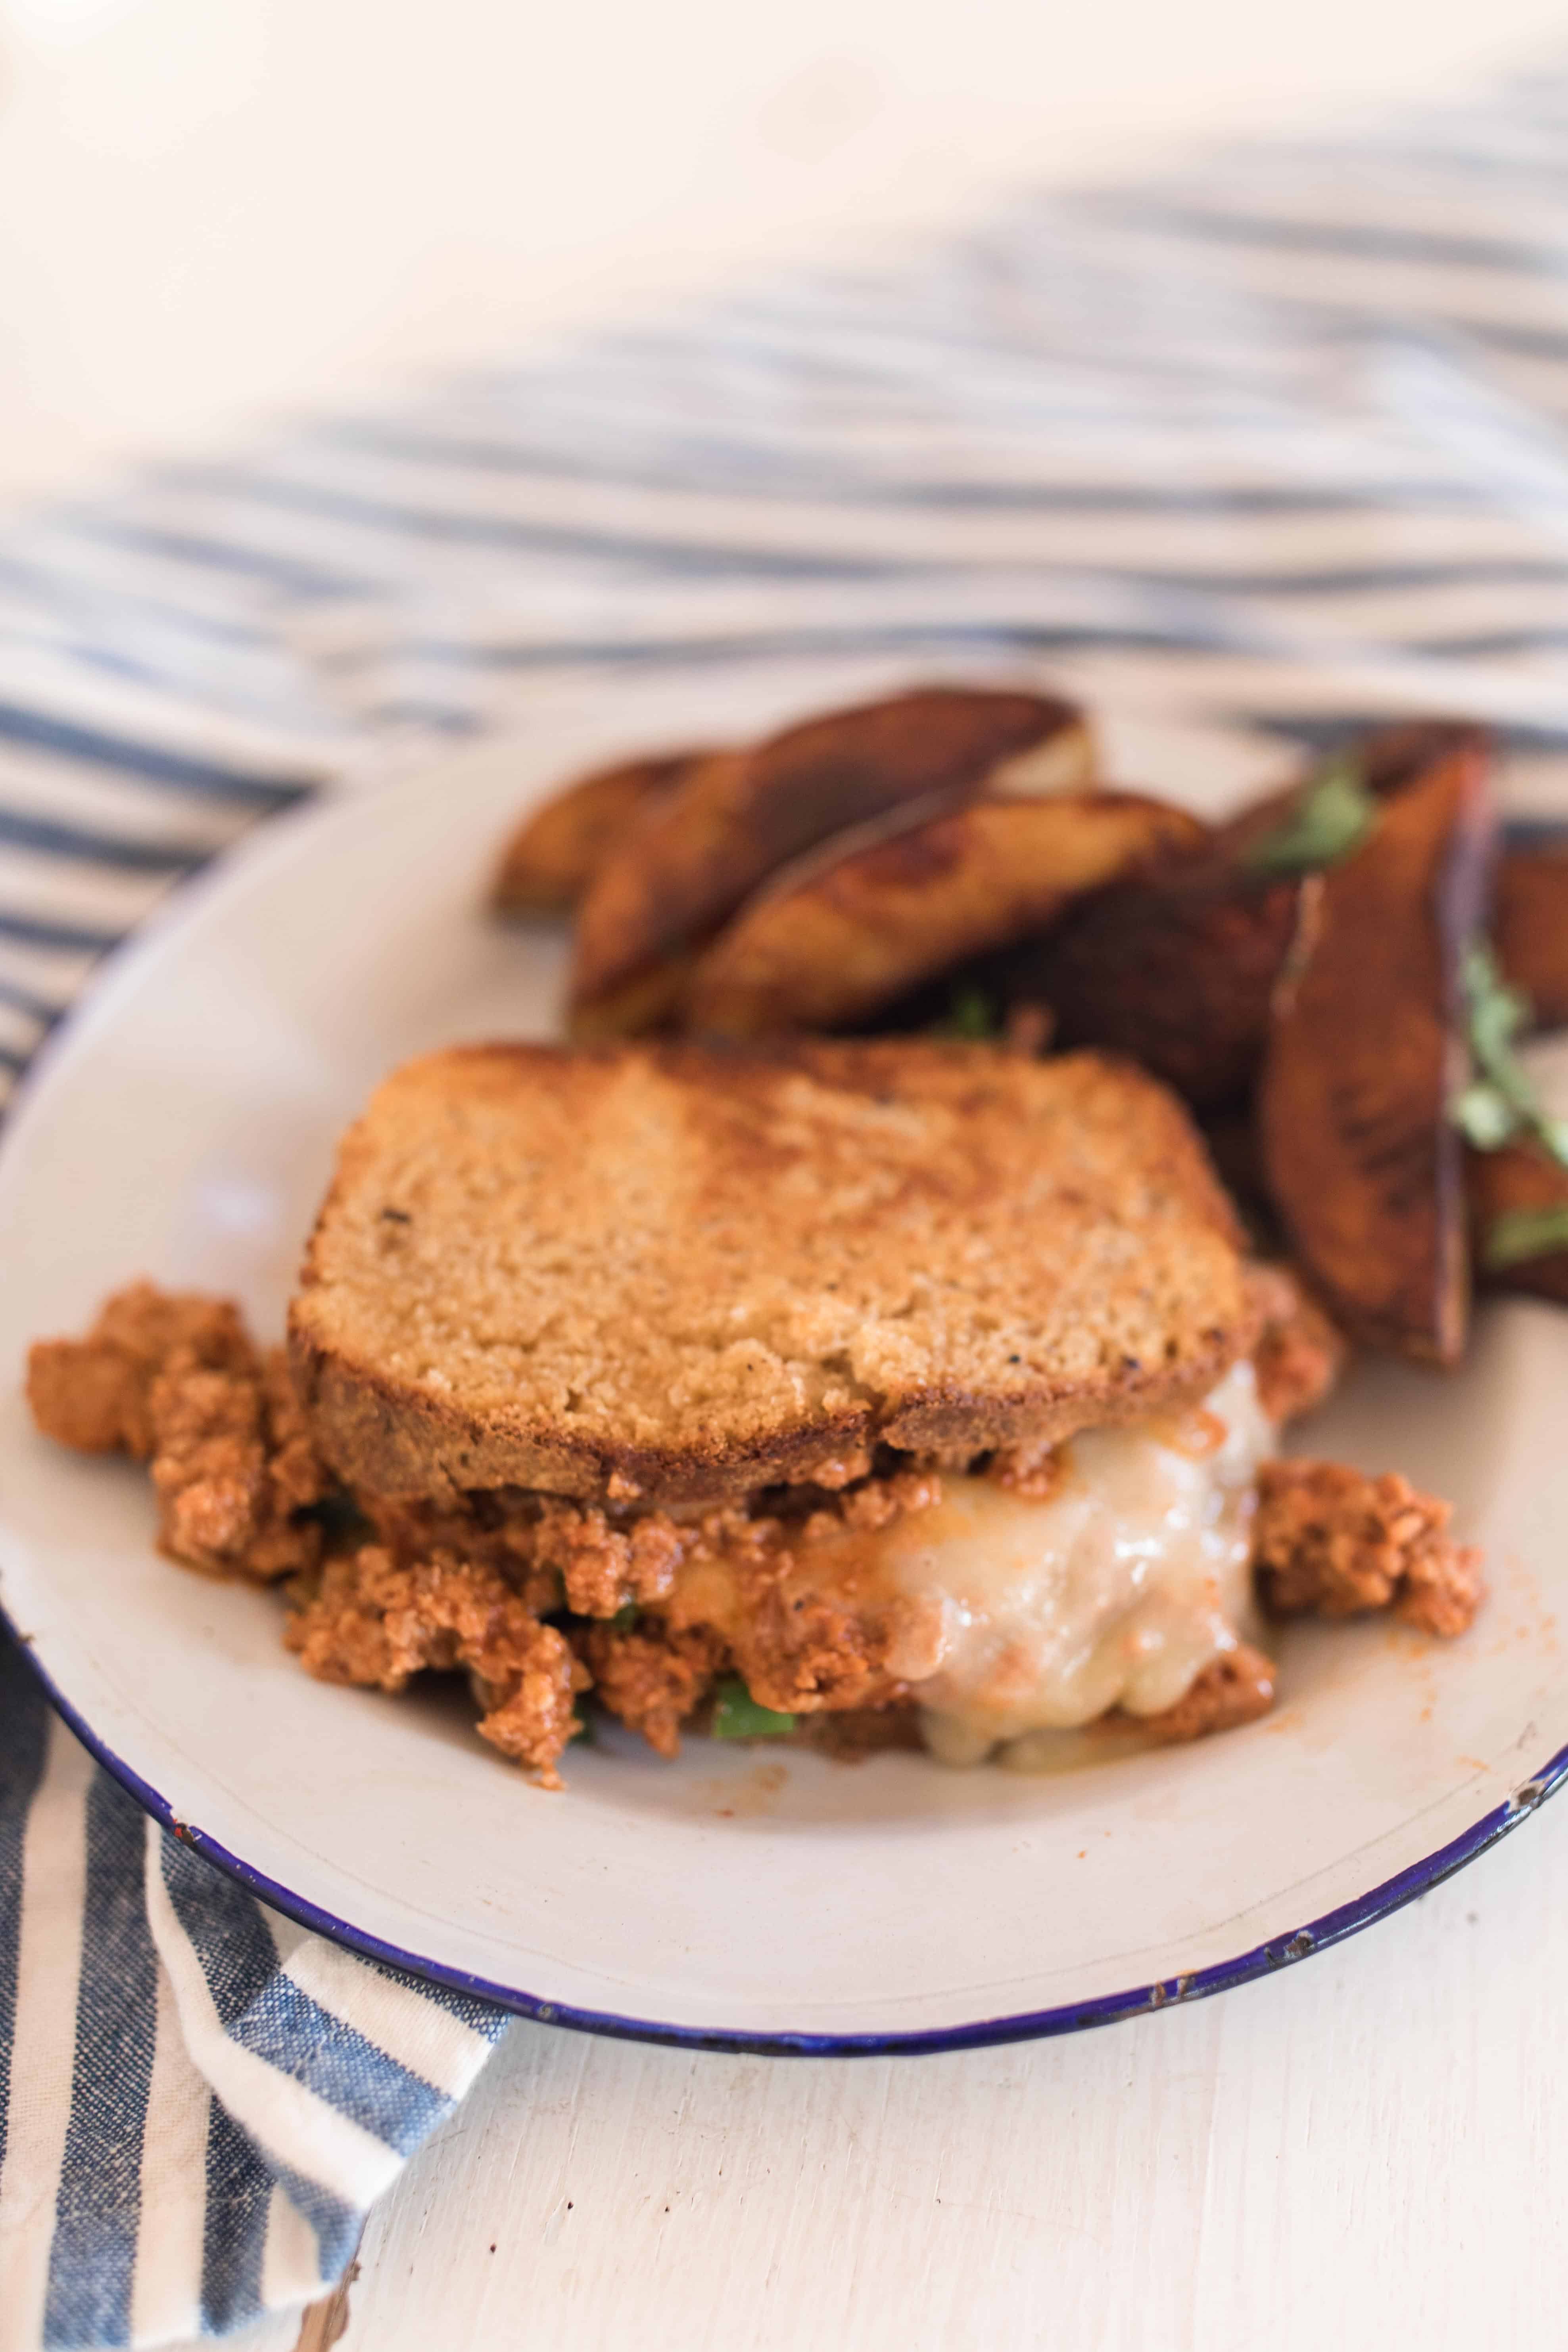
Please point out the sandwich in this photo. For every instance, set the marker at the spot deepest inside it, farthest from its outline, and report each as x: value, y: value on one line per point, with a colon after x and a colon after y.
x: 889, y: 1392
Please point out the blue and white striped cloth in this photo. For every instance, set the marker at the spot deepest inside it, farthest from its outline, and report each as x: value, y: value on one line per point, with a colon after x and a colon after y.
x: 199, y: 2100
x: 1271, y: 448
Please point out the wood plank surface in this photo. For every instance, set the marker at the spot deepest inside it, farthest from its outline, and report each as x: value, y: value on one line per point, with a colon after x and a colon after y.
x: 1368, y: 2150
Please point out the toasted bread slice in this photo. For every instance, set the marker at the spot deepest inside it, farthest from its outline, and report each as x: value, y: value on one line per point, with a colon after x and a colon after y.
x: 686, y: 1272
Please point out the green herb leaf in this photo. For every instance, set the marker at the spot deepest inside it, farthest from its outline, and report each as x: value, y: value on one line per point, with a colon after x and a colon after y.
x: 1485, y: 1117
x: 583, y: 1735
x: 1328, y: 818
x: 970, y: 1014
x: 737, y: 1716
x: 1521, y: 1234
x: 1501, y: 1103
x: 626, y: 1617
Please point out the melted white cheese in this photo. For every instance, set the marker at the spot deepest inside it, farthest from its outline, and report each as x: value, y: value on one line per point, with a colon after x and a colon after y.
x: 1116, y: 1591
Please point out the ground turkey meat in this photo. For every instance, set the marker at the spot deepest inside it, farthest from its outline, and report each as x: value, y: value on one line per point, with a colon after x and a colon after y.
x: 1334, y: 1543
x: 177, y: 1380
x: 1298, y: 1354
x: 96, y: 1393
x: 557, y: 1554
x: 1236, y: 1688
x: 785, y: 1593
x: 651, y: 1678
x: 373, y: 1619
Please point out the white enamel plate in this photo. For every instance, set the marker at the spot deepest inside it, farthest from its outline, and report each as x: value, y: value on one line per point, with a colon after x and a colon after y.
x: 182, y: 1127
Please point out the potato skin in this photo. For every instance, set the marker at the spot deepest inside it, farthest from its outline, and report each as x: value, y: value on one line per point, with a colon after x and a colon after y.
x: 1176, y: 970
x: 1365, y: 1052
x: 1177, y: 967
x: 736, y: 819
x: 1531, y: 926
x: 836, y: 940
x: 1497, y: 1183
x: 552, y: 857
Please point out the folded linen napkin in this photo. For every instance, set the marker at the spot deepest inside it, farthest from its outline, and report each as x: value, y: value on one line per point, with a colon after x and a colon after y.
x: 198, y: 2100
x: 1275, y: 448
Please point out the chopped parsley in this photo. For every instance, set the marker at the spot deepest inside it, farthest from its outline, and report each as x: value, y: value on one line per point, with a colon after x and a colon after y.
x: 1521, y: 1234
x: 970, y: 1014
x: 1500, y: 1104
x: 738, y: 1716
x: 1328, y: 818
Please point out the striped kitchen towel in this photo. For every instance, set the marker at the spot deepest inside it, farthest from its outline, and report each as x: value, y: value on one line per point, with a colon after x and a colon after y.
x: 198, y: 2101
x: 1268, y: 449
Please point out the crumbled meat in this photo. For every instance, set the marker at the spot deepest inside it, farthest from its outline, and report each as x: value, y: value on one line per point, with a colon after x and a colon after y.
x: 1035, y: 1472
x: 798, y: 1652
x: 1300, y: 1354
x: 603, y: 1568
x: 1333, y: 1542
x: 293, y: 1465
x: 756, y: 1582
x: 881, y: 1501
x: 529, y: 1716
x: 724, y: 1589
x: 373, y: 1619
x: 95, y: 1394
x: 553, y: 1553
x: 495, y: 1530
x: 175, y: 1380
x: 209, y: 1467
x: 234, y: 1468
x: 652, y: 1677
x: 1236, y: 1688
x: 85, y: 1396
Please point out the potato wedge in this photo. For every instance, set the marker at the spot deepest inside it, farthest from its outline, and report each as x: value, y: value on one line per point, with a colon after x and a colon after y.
x: 1530, y: 925
x: 737, y: 818
x: 549, y: 860
x: 1367, y: 1049
x: 1503, y: 1187
x: 1393, y: 758
x: 1177, y: 967
x: 833, y: 943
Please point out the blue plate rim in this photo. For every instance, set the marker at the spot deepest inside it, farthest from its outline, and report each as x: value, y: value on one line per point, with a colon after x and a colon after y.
x: 255, y: 848
x: 1026, y: 2025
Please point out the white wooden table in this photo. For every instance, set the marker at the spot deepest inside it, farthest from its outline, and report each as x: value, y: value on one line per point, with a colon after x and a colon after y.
x: 1368, y: 2151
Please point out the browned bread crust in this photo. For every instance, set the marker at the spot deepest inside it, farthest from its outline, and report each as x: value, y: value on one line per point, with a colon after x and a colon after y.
x: 686, y: 1272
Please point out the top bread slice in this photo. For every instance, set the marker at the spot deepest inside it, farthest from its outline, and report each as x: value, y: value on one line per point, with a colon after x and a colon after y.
x: 681, y: 1272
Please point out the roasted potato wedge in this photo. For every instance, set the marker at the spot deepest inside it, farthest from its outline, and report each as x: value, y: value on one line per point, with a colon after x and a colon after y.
x: 555, y: 853
x: 1530, y: 925
x: 1367, y: 1049
x: 1504, y: 1189
x: 1177, y: 967
x: 737, y: 818
x: 1393, y: 758
x: 835, y: 941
